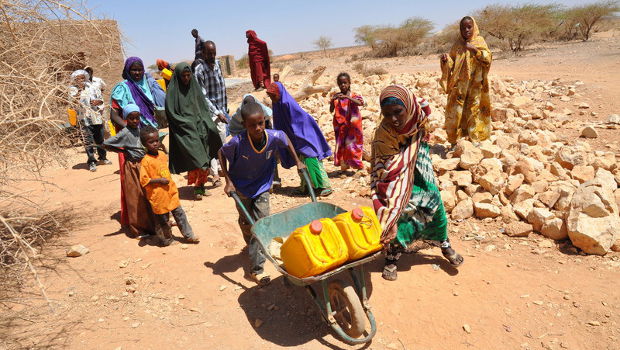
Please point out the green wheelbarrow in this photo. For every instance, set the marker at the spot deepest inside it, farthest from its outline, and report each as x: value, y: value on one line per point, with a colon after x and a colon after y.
x: 344, y: 306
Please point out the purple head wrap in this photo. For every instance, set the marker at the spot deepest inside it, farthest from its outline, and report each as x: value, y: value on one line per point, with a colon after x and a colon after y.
x: 299, y: 126
x: 147, y: 107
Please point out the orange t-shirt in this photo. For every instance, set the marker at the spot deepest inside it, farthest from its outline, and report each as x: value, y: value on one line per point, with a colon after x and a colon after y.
x: 163, y: 198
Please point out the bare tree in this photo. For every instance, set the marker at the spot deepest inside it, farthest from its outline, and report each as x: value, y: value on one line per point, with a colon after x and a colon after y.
x: 323, y: 43
x: 586, y: 18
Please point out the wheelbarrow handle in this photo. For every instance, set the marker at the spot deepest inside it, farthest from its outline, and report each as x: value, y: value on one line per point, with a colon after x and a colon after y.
x: 306, y: 175
x: 245, y: 211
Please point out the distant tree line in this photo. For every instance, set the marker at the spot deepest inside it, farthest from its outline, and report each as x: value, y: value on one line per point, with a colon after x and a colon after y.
x: 511, y: 27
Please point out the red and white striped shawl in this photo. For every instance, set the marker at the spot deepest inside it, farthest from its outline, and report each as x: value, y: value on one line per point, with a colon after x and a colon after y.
x: 394, y: 153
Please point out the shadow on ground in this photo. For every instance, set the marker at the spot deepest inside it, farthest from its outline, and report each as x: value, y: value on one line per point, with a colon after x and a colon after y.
x: 280, y: 312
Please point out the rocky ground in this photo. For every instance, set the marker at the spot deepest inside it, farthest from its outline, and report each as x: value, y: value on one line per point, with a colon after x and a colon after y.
x: 534, y: 211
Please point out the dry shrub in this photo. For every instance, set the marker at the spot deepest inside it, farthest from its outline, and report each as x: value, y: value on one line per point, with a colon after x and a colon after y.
x: 41, y: 42
x: 243, y: 62
x: 582, y: 21
x: 365, y: 71
x: 389, y: 41
x: 518, y: 26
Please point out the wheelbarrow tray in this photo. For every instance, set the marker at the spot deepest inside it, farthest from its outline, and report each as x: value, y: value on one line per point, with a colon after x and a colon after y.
x: 283, y: 223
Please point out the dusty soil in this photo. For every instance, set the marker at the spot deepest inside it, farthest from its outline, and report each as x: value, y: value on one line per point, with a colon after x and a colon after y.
x: 511, y: 293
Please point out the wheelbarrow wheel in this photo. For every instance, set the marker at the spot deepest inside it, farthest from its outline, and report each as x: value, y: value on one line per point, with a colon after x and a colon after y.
x: 347, y: 308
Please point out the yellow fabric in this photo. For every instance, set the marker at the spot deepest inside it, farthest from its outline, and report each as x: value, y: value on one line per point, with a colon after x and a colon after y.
x: 111, y: 128
x: 163, y: 198
x: 465, y: 80
x: 162, y: 83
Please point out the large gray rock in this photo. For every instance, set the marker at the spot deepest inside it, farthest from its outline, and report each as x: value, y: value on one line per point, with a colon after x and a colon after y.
x: 593, y: 223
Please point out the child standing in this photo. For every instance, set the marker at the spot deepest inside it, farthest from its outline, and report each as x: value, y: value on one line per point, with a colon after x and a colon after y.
x: 347, y: 125
x: 251, y: 171
x: 161, y: 191
x: 128, y: 142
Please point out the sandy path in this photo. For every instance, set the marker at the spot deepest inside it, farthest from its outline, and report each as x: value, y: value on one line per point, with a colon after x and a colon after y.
x: 513, y: 294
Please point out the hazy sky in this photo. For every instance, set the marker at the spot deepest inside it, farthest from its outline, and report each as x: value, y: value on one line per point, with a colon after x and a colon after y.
x: 161, y: 29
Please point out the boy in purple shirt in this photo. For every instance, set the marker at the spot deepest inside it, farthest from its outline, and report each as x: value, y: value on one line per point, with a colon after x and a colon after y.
x: 252, y: 166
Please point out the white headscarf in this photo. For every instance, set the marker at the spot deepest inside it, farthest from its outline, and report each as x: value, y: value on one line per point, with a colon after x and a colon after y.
x: 79, y: 72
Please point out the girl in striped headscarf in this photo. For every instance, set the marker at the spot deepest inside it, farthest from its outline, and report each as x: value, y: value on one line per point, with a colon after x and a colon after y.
x: 404, y: 191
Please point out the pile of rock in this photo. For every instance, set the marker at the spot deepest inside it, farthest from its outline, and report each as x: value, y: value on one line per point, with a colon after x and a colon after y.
x: 524, y: 176
x: 561, y: 191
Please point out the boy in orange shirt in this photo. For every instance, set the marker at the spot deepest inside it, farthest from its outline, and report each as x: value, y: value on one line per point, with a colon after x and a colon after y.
x: 161, y: 191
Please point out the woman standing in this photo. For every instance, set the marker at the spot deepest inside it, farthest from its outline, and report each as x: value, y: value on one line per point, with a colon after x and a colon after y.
x: 304, y: 133
x: 194, y: 139
x: 404, y: 191
x: 89, y: 103
x: 258, y: 56
x: 347, y: 125
x: 464, y: 79
x: 142, y: 90
x: 137, y: 88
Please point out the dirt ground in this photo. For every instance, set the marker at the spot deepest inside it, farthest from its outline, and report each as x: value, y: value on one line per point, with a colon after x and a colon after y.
x: 511, y: 293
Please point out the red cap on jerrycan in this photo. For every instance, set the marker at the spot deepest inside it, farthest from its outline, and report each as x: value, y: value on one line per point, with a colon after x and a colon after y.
x: 316, y: 227
x: 357, y: 214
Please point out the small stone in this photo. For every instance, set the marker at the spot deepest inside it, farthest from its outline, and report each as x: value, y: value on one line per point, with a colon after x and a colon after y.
x: 77, y: 250
x: 554, y: 228
x: 135, y: 324
x: 222, y: 287
x: 463, y: 210
x: 184, y: 246
x: 613, y: 119
x: 486, y: 210
x: 594, y: 323
x: 589, y: 132
x: 518, y: 229
x: 584, y: 105
x: 582, y: 173
x: 258, y: 322
x: 123, y: 264
x: 538, y: 302
x: 467, y: 328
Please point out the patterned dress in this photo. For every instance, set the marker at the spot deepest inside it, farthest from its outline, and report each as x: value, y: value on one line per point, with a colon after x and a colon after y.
x: 348, y: 131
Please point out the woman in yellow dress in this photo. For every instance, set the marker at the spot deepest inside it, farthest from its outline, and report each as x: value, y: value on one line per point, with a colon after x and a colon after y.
x: 464, y: 79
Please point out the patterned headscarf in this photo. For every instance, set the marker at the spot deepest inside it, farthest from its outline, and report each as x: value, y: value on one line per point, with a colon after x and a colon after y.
x: 394, y: 153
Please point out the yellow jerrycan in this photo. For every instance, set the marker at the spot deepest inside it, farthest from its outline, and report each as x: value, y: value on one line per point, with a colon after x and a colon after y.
x: 361, y: 231
x: 313, y: 249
